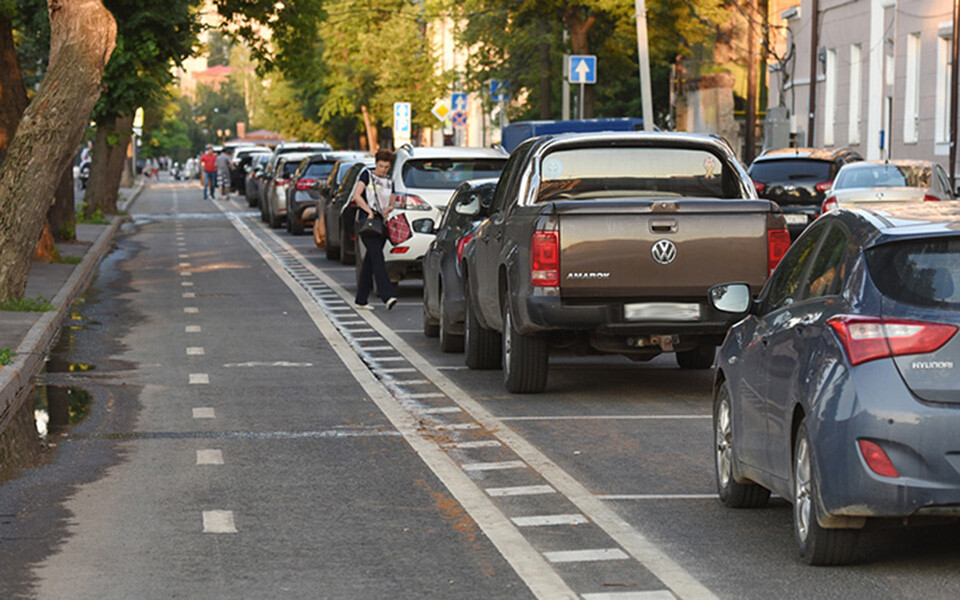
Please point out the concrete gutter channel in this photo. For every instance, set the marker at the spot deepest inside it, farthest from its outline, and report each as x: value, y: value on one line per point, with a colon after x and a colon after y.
x: 17, y: 378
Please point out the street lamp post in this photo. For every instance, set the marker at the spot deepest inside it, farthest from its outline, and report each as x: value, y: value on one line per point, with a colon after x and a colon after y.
x: 954, y: 70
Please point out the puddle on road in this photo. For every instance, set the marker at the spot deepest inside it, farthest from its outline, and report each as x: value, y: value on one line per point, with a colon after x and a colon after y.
x: 57, y: 407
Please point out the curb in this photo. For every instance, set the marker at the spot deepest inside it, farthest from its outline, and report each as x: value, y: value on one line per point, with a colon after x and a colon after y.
x: 16, y: 378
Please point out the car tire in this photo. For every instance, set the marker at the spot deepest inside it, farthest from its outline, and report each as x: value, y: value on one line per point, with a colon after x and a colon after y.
x: 348, y: 255
x: 251, y: 202
x: 449, y: 341
x: 296, y: 224
x: 275, y: 221
x: 481, y: 346
x: 332, y: 252
x: 289, y: 223
x: 700, y: 357
x: 818, y: 546
x: 526, y: 359
x: 431, y: 327
x: 732, y: 493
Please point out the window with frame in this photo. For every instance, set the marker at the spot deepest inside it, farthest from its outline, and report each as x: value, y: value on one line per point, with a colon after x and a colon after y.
x: 827, y: 269
x: 785, y: 286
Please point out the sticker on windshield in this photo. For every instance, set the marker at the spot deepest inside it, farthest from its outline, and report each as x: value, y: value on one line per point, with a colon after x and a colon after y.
x: 552, y: 168
x: 709, y: 166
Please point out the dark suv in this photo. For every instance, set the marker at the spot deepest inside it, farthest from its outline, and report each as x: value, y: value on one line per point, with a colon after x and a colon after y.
x: 797, y: 179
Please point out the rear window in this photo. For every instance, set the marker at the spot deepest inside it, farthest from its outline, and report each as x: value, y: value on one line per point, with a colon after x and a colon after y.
x: 584, y: 173
x: 319, y: 170
x: 447, y: 173
x: 290, y: 167
x: 766, y: 171
x: 876, y: 176
x: 920, y: 272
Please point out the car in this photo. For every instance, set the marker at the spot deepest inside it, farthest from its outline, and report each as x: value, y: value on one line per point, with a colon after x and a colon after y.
x: 304, y: 190
x: 798, y: 179
x: 241, y: 157
x: 607, y: 243
x: 873, y: 182
x: 423, y: 181
x: 254, y: 176
x: 443, y: 300
x: 837, y: 390
x: 274, y: 208
x: 325, y: 192
x: 340, y: 215
x: 286, y: 148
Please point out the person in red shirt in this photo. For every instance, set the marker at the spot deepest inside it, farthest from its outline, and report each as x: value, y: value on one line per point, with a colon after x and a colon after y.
x: 209, y: 163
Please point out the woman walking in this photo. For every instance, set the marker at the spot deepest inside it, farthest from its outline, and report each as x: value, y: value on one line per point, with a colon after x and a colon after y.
x: 373, y: 196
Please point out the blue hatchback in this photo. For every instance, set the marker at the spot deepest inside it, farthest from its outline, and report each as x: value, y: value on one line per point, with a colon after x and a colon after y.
x: 838, y: 390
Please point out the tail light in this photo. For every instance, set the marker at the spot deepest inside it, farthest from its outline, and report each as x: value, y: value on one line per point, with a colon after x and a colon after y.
x: 877, y: 459
x: 461, y: 244
x: 305, y: 184
x: 409, y: 202
x: 281, y: 181
x: 869, y: 338
x: 823, y: 186
x: 545, y: 259
x: 828, y: 205
x: 778, y: 242
x: 759, y: 186
x: 929, y: 198
x: 399, y: 250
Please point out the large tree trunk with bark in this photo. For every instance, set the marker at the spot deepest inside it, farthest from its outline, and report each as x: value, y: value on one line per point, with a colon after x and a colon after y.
x: 373, y: 137
x: 62, y: 217
x: 13, y: 95
x: 578, y: 23
x: 106, y: 170
x: 82, y: 36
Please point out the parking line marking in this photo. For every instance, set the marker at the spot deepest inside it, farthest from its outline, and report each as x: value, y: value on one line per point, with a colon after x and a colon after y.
x: 454, y: 368
x: 408, y: 331
x: 455, y: 426
x: 184, y: 264
x: 441, y: 410
x: 607, y: 418
x: 521, y: 490
x: 471, y: 445
x: 353, y: 322
x: 648, y: 595
x: 192, y: 329
x: 657, y: 496
x: 368, y: 339
x: 594, y: 555
x: 494, y: 466
x: 397, y: 370
x: 199, y: 378
x: 191, y: 310
x: 427, y: 395
x: 209, y: 457
x: 195, y: 351
x: 186, y: 283
x: 204, y: 412
x: 381, y: 359
x: 189, y: 295
x: 218, y: 521
x: 548, y: 520
x: 376, y: 348
x: 414, y: 382
x: 183, y: 256
x: 185, y: 273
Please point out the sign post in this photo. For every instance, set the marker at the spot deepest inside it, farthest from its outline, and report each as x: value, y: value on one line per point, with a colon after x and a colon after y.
x: 401, y: 123
x: 582, y: 69
x: 458, y: 100
x: 500, y: 93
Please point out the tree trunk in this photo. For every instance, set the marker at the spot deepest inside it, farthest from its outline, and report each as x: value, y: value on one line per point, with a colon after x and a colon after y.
x: 106, y: 169
x: 578, y: 25
x: 82, y: 36
x: 13, y: 95
x: 373, y: 142
x: 62, y: 218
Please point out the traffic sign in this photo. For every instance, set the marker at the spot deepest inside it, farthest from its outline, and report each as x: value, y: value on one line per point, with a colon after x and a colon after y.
x: 440, y: 110
x: 458, y: 101
x: 583, y: 68
x: 401, y: 122
x: 459, y: 119
x: 499, y: 90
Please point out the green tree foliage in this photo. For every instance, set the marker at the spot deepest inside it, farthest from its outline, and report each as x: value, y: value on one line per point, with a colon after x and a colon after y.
x: 31, y: 34
x: 218, y: 49
x: 166, y: 131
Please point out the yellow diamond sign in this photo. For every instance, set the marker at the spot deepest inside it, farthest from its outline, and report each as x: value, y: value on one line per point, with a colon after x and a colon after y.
x: 440, y: 110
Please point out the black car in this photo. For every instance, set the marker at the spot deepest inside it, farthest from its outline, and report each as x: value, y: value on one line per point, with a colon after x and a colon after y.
x: 307, y: 181
x: 797, y: 179
x: 254, y: 172
x: 339, y: 216
x: 444, y: 305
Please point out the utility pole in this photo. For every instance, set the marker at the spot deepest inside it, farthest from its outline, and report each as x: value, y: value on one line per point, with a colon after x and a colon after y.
x: 814, y: 43
x: 643, y: 55
x: 954, y: 71
x: 751, y: 116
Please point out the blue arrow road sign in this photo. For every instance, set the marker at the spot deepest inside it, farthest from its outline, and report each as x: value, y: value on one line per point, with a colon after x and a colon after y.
x: 499, y: 90
x: 583, y: 68
x: 458, y: 102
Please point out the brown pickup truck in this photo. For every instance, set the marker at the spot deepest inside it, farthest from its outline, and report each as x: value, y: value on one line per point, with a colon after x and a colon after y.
x: 608, y: 243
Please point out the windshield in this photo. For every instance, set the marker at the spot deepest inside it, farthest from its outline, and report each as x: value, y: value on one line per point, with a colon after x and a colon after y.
x: 609, y: 171
x: 319, y: 170
x: 766, y: 171
x: 448, y: 173
x: 920, y: 272
x: 875, y: 176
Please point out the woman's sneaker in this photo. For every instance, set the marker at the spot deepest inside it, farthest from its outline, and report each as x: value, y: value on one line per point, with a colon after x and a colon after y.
x: 363, y: 307
x: 391, y: 302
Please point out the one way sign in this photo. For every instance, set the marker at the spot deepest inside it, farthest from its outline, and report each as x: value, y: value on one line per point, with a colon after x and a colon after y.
x: 582, y: 68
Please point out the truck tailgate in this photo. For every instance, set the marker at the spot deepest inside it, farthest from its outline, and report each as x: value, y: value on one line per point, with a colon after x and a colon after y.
x: 607, y: 248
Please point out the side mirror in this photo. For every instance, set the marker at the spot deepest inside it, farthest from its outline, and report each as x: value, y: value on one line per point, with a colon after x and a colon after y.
x: 731, y: 297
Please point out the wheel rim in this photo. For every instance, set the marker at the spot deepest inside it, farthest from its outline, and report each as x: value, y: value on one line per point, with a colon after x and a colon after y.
x: 507, y: 342
x: 802, y: 492
x: 724, y: 450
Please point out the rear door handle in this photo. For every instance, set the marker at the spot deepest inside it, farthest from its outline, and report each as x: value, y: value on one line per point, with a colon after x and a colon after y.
x: 663, y: 225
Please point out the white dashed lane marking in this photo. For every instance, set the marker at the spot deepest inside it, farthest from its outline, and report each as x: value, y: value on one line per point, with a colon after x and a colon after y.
x: 204, y: 412
x: 191, y: 310
x: 521, y: 490
x: 186, y: 283
x: 192, y: 329
x: 199, y: 378
x: 548, y: 520
x: 651, y: 595
x: 189, y: 295
x: 218, y: 521
x: 477, y: 444
x: 598, y: 554
x: 209, y: 457
x: 195, y: 351
x: 494, y: 466
x: 441, y: 410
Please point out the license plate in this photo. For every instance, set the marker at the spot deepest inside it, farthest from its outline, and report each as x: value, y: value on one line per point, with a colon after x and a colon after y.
x: 796, y: 219
x: 661, y: 311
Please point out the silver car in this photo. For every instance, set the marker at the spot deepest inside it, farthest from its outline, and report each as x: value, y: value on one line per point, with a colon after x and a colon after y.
x: 869, y: 183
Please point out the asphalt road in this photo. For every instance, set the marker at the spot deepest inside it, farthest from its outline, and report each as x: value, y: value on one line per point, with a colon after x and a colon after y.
x: 252, y: 436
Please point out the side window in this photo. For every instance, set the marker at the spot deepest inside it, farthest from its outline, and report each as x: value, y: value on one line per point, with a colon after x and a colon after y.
x: 506, y: 177
x: 826, y: 271
x: 784, y: 286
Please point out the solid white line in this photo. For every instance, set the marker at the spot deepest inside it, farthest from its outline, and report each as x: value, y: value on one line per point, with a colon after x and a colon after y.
x: 199, y: 378
x: 195, y: 351
x: 548, y: 520
x: 657, y: 496
x: 494, y: 466
x: 471, y: 445
x: 204, y: 413
x: 608, y: 418
x: 598, y: 554
x: 209, y: 457
x: 189, y: 295
x: 192, y: 329
x: 649, y: 595
x: 191, y: 310
x: 218, y: 521
x: 441, y: 410
x: 521, y: 490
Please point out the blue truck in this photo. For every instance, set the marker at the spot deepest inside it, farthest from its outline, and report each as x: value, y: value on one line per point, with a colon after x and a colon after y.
x: 515, y: 133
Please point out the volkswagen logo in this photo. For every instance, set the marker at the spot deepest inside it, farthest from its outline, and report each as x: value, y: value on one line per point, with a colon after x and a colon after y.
x: 664, y: 252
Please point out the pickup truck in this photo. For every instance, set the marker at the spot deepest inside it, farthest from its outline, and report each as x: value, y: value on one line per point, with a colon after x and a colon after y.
x: 608, y: 242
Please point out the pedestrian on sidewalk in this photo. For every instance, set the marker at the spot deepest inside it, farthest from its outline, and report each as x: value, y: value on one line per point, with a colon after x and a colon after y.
x: 223, y: 172
x: 374, y: 195
x: 208, y: 163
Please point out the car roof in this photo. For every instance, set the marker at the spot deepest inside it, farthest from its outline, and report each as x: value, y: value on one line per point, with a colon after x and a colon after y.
x: 292, y: 157
x: 452, y: 152
x: 827, y: 154
x: 901, y: 221
x: 476, y: 183
x: 890, y: 163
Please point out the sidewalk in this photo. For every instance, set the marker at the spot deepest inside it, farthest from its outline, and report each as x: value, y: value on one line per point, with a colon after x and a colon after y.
x: 31, y: 334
